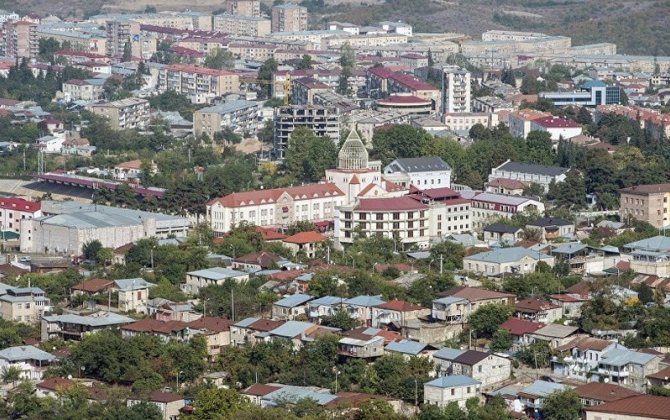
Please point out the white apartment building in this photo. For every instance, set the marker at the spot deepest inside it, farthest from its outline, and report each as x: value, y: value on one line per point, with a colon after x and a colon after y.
x: 275, y: 207
x: 448, y: 214
x: 487, y: 207
x: 455, y: 90
x: 85, y: 90
x: 13, y: 210
x: 559, y: 128
x: 124, y: 114
x: 529, y: 173
x: 463, y: 121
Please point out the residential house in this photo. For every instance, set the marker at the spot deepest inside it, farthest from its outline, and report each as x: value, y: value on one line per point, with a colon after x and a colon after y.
x: 580, y: 357
x: 325, y: 306
x: 637, y: 407
x: 498, y: 232
x: 216, y: 332
x: 570, y: 306
x: 520, y: 330
x: 133, y: 294
x: 74, y: 327
x: 252, y: 330
x: 534, y: 394
x: 211, y: 276
x: 537, y: 310
x: 529, y: 173
x: 15, y: 209
x: 455, y: 305
x: 397, y: 312
x: 131, y: 169
x: 410, y: 348
x: 650, y: 256
x: 660, y: 378
x: 23, y: 304
x: 257, y: 261
x: 596, y: 393
x: 553, y: 227
x: 297, y: 332
x: 165, y: 330
x: 256, y: 392
x: 628, y: 368
x: 306, y: 243
x: 291, y: 307
x: 367, y: 347
x: 447, y: 389
x: 505, y: 186
x: 487, y: 368
x: 31, y: 361
x: 129, y: 113
x: 501, y: 261
x: 92, y: 287
x: 166, y: 310
x: 360, y: 307
x: 555, y: 335
x: 53, y: 387
x: 169, y: 403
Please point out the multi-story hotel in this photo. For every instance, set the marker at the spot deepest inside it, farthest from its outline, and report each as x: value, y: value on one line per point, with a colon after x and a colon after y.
x: 200, y: 84
x: 275, y: 207
x: 124, y: 114
x: 648, y: 203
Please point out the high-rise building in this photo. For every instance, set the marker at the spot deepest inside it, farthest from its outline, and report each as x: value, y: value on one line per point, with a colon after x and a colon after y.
x: 324, y: 121
x: 244, y: 7
x: 289, y: 18
x: 455, y: 90
x: 20, y: 39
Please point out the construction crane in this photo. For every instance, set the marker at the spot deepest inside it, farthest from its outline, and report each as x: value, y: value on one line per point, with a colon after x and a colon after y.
x: 286, y: 84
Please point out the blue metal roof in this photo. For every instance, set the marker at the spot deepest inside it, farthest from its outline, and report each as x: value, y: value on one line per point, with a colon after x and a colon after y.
x: 20, y: 353
x: 293, y: 300
x: 217, y: 273
x: 291, y: 329
x: 406, y: 347
x: 623, y: 357
x: 296, y: 393
x: 505, y: 255
x: 543, y: 388
x: 365, y: 300
x: 657, y: 243
x: 453, y: 381
x: 246, y: 322
x: 132, y: 284
x: 327, y: 301
x: 447, y: 353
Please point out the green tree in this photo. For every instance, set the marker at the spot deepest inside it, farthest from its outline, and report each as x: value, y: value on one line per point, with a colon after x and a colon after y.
x: 374, y: 410
x: 347, y: 63
x: 562, y: 405
x: 265, y: 73
x: 501, y: 340
x: 308, y: 156
x: 104, y: 256
x: 47, y: 48
x: 645, y: 293
x: 127, y: 53
x: 400, y: 141
x: 217, y: 403
x: 341, y: 319
x: 536, y: 355
x: 449, y: 254
x: 220, y: 59
x: 584, y: 116
x: 486, y: 319
x: 90, y: 249
x: 305, y: 63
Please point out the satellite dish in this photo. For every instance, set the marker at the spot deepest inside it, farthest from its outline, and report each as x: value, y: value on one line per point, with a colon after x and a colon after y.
x: 69, y: 377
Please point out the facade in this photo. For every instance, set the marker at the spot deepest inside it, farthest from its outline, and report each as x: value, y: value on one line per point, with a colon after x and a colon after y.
x: 520, y: 122
x: 20, y: 39
x: 637, y: 407
x: 515, y: 260
x: 397, y: 312
x: 243, y: 7
x: 240, y: 116
x: 464, y: 121
x: 538, y: 310
x: 23, y: 304
x: 591, y: 94
x: 449, y: 213
x: 424, y: 172
x: 559, y: 128
x: 66, y: 226
x: 382, y: 82
x: 83, y: 90
x: 360, y: 308
x: 133, y: 294
x: 628, y: 368
x: 529, y: 173
x: 401, y: 218
x: 324, y: 121
x: 455, y: 90
x: 553, y: 227
x: 455, y: 305
x: 124, y: 114
x: 487, y: 207
x: 487, y: 368
x: 307, y: 243
x: 13, y: 210
x: 200, y: 84
x: 291, y: 307
x: 242, y: 25
x: 212, y: 276
x: 169, y: 404
x: 275, y: 207
x: 364, y: 347
x: 648, y: 203
x: 447, y: 389
x: 74, y: 327
x: 31, y: 361
x: 289, y: 18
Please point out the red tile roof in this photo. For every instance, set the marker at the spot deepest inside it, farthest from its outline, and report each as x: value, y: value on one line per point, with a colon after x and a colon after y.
x: 474, y: 294
x: 645, y: 406
x: 533, y: 305
x: 254, y: 198
x: 661, y: 375
x: 55, y: 384
x: 305, y: 238
x: 400, y: 306
x: 260, y: 390
x: 154, y: 325
x: 270, y: 234
x: 197, y: 70
x: 265, y: 325
x: 556, y: 122
x: 564, y: 298
x: 604, y: 392
x: 390, y: 204
x: 519, y: 327
x: 211, y: 323
x: 93, y: 285
x: 510, y: 184
x: 15, y: 203
x: 164, y: 397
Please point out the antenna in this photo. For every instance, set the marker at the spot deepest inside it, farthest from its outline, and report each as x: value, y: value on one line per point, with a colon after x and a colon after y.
x: 40, y: 162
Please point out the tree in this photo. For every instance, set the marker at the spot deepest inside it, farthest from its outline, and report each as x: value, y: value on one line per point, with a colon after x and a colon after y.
x: 127, y: 52
x: 645, y: 293
x: 536, y: 355
x: 90, y: 249
x: 479, y: 132
x: 47, y: 48
x: 220, y: 59
x: 308, y: 155
x: 11, y: 374
x: 375, y: 410
x: 341, y: 319
x: 486, y: 319
x: 217, y: 403
x: 501, y: 340
x: 104, y: 256
x: 584, y: 116
x: 562, y: 405
x: 528, y: 85
x: 305, y: 63
x: 400, y: 141
x: 507, y: 76
x: 449, y: 254
x: 540, y: 147
x: 347, y: 62
x: 265, y: 73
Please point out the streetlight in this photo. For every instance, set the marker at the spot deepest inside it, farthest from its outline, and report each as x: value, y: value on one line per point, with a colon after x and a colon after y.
x: 178, y: 373
x: 337, y: 374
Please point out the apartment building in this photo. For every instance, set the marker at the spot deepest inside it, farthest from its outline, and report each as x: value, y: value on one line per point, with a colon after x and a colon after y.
x: 243, y: 7
x: 200, y: 84
x: 240, y: 116
x: 119, y: 33
x: 275, y: 207
x: 125, y: 114
x: 20, y: 39
x: 647, y: 203
x: 401, y: 218
x: 84, y: 90
x: 289, y: 18
x: 487, y: 207
x: 557, y: 127
x: 495, y: 35
x: 464, y: 121
x: 324, y: 121
x: 449, y: 212
x: 242, y: 25
x: 84, y: 36
x: 529, y: 173
x: 14, y: 209
x: 520, y: 122
x: 455, y: 90
x: 22, y: 304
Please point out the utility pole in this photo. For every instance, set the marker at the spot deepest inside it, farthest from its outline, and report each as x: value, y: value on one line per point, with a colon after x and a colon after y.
x: 441, y: 262
x: 232, y: 305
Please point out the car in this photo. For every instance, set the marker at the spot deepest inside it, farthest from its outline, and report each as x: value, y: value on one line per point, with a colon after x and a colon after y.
x: 25, y: 258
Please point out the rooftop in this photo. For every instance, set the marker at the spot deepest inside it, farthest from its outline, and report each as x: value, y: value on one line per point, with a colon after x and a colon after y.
x: 452, y: 381
x: 294, y: 300
x: 217, y: 273
x: 519, y: 327
x: 390, y: 204
x: 406, y: 347
x: 529, y: 168
x: 506, y: 255
x: 305, y: 238
x: 642, y: 406
x: 21, y: 353
x: 420, y: 164
x: 475, y: 294
x: 604, y: 392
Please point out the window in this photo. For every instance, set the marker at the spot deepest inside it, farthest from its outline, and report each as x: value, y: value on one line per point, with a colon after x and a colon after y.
x: 453, y: 391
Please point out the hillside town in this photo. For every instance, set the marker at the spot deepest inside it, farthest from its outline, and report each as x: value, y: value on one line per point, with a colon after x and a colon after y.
x: 251, y: 213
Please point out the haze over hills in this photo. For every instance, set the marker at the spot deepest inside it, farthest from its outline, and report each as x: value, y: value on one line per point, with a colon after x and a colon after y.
x: 637, y: 27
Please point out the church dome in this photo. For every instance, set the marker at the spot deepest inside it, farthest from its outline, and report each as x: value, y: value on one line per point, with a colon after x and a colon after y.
x: 353, y: 154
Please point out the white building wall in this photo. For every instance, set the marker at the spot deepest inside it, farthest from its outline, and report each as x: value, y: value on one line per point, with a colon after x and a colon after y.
x: 443, y: 396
